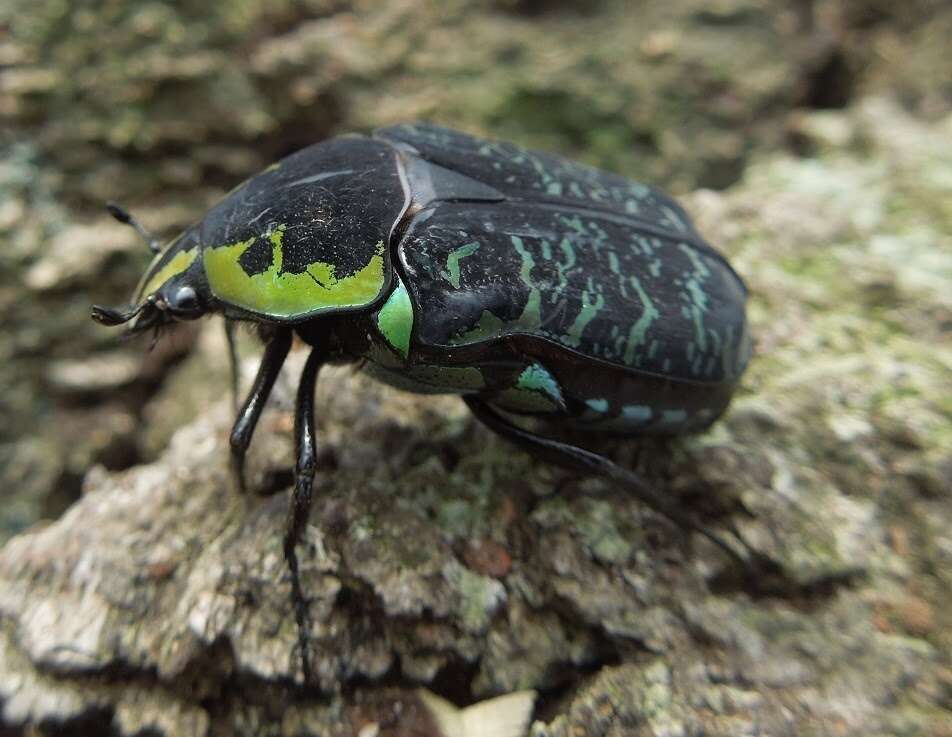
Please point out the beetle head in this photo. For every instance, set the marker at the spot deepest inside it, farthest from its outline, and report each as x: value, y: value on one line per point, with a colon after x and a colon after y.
x: 173, y: 288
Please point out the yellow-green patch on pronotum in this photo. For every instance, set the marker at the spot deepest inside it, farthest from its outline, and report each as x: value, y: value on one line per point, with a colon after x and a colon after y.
x: 176, y: 265
x: 285, y: 295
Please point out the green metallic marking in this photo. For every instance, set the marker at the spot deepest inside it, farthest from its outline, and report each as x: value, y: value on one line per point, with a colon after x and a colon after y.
x: 621, y: 287
x: 698, y: 308
x: 536, y: 377
x: 619, y: 344
x: 638, y: 190
x: 673, y: 416
x: 452, y: 262
x: 283, y: 294
x: 597, y: 405
x: 565, y: 245
x: 574, y: 222
x: 546, y: 181
x: 590, y: 308
x: 178, y: 263
x: 643, y: 245
x: 532, y: 314
x: 654, y: 268
x: 728, y: 351
x: 546, y: 250
x: 600, y: 235
x: 696, y: 364
x: 696, y: 294
x: 613, y: 262
x: 716, y: 339
x: 673, y: 218
x: 395, y: 319
x: 487, y: 325
x: 588, y: 230
x: 636, y: 335
x: 636, y: 412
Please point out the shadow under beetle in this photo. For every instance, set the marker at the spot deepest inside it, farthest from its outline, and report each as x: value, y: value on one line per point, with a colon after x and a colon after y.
x: 527, y: 283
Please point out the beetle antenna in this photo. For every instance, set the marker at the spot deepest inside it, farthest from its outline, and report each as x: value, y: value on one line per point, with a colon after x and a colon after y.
x: 125, y: 217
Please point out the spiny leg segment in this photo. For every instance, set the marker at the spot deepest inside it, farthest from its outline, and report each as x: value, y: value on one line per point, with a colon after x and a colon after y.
x: 579, y: 459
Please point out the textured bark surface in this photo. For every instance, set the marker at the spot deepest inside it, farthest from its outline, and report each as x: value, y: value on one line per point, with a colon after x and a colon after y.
x: 438, y: 556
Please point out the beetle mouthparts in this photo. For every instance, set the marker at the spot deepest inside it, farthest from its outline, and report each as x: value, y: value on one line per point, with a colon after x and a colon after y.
x: 111, y: 317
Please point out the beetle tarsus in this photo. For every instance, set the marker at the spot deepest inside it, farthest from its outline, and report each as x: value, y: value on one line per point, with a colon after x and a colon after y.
x: 300, y: 506
x: 236, y: 468
x: 274, y: 354
x: 302, y: 490
x: 579, y: 459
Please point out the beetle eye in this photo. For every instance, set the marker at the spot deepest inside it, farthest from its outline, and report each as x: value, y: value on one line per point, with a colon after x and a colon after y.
x: 184, y: 301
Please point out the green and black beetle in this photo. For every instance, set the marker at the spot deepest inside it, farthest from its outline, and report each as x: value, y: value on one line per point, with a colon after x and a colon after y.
x: 524, y: 282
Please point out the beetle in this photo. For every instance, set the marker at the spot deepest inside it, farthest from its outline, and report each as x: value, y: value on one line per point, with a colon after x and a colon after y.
x: 529, y: 284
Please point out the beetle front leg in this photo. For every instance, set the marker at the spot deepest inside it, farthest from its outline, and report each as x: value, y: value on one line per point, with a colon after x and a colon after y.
x: 274, y: 354
x: 579, y: 459
x: 300, y: 506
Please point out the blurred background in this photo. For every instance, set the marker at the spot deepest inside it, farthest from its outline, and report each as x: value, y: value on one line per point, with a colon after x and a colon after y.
x: 165, y: 106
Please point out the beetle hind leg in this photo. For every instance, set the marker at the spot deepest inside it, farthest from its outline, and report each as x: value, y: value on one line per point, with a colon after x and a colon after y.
x: 578, y: 459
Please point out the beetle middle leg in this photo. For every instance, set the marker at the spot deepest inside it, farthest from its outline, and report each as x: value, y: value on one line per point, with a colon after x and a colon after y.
x: 578, y: 459
x: 300, y: 506
x: 274, y: 354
